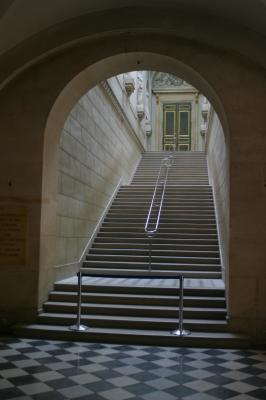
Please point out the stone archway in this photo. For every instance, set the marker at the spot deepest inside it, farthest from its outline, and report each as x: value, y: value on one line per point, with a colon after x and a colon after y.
x: 69, y: 97
x: 57, y: 82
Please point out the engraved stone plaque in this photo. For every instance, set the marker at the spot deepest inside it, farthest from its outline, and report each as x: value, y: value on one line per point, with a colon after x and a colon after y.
x: 12, y: 236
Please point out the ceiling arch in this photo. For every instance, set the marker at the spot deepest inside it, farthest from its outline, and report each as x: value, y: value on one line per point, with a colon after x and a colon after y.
x: 129, y: 22
x: 31, y: 17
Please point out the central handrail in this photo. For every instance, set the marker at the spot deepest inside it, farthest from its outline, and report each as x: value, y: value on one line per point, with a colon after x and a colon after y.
x: 165, y: 165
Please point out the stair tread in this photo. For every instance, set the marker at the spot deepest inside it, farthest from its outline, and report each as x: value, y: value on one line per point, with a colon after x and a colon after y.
x: 136, y: 306
x: 146, y: 282
x: 132, y: 318
x: 150, y: 333
x: 154, y: 256
x: 159, y: 252
x: 136, y: 296
x: 154, y: 264
x: 143, y: 272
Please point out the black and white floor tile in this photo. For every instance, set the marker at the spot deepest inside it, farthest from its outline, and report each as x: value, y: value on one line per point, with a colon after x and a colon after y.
x: 55, y: 370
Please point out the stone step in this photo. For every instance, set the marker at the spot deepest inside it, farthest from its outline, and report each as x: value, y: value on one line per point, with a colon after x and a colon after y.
x: 178, y: 209
x: 209, y: 249
x: 133, y: 336
x: 132, y: 322
x: 138, y: 299
x: 198, y: 168
x: 178, y: 203
x: 189, y: 216
x: 181, y: 178
x: 173, y: 213
x: 204, y: 262
x: 159, y: 235
x: 185, y: 167
x: 192, y: 159
x: 190, y: 239
x: 189, y: 164
x: 135, y: 310
x: 169, y: 191
x: 186, y: 179
x: 155, y: 252
x: 181, y: 205
x: 183, y: 175
x: 181, y: 199
x: 150, y: 181
x: 126, y: 269
x: 133, y: 286
x: 180, y: 223
x: 161, y: 230
x: 179, y: 196
x: 185, y: 198
x: 193, y: 219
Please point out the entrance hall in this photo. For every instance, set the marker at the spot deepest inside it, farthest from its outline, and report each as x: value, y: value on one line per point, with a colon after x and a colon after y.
x: 97, y: 97
x: 85, y: 94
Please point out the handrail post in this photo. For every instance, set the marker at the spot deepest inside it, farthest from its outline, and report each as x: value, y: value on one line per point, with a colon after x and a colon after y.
x: 150, y: 248
x: 78, y: 327
x: 180, y: 331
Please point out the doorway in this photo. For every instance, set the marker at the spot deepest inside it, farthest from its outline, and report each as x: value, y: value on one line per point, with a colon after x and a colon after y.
x: 177, y: 127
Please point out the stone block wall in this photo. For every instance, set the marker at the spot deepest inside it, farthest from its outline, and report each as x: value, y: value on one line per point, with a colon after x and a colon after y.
x: 217, y: 157
x: 96, y: 151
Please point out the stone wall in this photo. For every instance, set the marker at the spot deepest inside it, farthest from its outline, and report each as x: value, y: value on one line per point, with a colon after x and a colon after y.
x: 96, y: 151
x: 217, y: 156
x: 35, y: 102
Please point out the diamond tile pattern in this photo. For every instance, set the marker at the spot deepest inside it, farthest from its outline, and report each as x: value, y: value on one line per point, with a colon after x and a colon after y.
x: 54, y: 370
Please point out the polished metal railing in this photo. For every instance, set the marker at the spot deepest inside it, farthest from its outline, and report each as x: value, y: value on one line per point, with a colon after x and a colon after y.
x: 157, y: 204
x: 79, y: 327
x: 180, y: 331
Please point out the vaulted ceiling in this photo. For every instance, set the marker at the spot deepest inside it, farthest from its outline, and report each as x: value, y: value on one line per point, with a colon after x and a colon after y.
x: 20, y: 20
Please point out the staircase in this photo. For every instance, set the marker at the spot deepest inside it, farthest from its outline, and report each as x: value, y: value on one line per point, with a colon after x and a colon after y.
x: 185, y: 243
x: 122, y: 301
x: 188, y: 169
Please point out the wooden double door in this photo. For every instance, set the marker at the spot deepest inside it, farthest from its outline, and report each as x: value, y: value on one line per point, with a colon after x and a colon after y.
x: 177, y: 126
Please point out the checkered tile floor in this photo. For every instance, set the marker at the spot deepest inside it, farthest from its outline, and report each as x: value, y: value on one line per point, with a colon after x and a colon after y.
x: 53, y: 370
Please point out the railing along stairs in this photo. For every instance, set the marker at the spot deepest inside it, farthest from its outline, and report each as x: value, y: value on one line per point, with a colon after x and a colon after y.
x: 151, y: 227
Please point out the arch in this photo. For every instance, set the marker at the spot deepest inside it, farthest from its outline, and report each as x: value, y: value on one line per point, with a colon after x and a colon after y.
x: 35, y: 73
x: 191, y: 24
x: 86, y: 79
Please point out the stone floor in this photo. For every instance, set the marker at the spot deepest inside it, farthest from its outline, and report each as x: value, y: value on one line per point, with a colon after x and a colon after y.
x: 55, y: 370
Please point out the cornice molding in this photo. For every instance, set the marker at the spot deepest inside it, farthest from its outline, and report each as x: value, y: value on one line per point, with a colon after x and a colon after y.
x: 104, y: 85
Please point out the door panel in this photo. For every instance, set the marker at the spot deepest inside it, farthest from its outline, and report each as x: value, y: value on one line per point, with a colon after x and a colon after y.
x: 177, y: 127
x: 169, y: 136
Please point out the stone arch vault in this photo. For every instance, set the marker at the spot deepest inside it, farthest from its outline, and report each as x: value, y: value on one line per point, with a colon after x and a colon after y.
x: 35, y: 104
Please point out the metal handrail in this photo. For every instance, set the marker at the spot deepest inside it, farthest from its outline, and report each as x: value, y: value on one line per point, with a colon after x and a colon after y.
x: 78, y: 327
x: 166, y: 163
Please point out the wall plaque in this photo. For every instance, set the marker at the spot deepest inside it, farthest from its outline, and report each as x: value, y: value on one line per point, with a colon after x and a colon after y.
x: 12, y: 236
